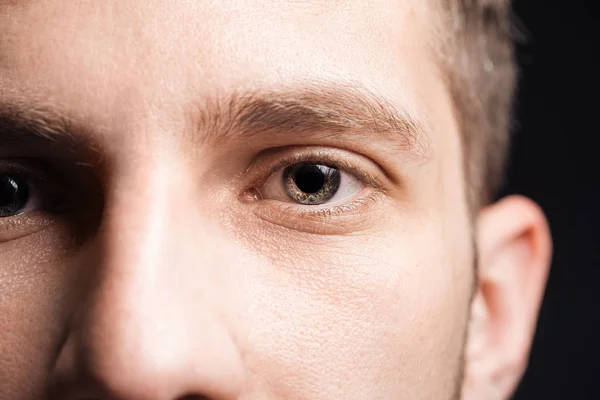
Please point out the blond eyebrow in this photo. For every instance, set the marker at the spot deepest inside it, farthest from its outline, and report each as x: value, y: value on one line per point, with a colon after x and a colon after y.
x: 344, y: 110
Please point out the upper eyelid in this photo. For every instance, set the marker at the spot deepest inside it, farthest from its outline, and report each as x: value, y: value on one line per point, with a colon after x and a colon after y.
x: 325, y: 156
x: 47, y: 178
x: 17, y: 167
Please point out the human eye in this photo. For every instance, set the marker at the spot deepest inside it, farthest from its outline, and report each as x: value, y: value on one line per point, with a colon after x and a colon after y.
x: 34, y: 195
x: 23, y: 190
x: 306, y: 186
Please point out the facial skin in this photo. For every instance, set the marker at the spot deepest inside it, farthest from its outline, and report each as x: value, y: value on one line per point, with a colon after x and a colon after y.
x: 157, y: 255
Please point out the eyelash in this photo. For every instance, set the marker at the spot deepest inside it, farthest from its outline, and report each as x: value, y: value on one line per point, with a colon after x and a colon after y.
x: 46, y: 185
x: 324, y: 156
x: 10, y: 167
x: 326, y: 212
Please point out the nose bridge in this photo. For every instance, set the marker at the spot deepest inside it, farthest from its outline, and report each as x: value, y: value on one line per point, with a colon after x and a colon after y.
x: 158, y: 238
x: 139, y: 214
x: 149, y: 329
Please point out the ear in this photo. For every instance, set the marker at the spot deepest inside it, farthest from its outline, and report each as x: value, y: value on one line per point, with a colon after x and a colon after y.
x: 514, y: 250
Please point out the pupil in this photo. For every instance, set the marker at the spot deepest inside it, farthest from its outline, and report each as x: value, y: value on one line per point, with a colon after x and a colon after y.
x: 309, y: 178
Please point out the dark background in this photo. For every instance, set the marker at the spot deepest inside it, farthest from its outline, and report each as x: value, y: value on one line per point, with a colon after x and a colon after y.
x: 555, y: 160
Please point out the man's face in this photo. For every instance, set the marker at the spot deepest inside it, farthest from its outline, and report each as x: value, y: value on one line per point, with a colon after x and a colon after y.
x: 233, y: 199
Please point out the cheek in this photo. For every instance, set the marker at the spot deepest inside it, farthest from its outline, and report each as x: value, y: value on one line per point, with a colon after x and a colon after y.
x: 34, y: 287
x: 377, y: 315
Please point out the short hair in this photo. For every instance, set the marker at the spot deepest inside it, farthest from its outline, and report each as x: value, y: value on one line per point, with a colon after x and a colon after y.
x: 478, y: 63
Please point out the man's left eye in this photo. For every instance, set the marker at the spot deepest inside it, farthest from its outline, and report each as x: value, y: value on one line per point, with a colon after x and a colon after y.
x: 311, y: 183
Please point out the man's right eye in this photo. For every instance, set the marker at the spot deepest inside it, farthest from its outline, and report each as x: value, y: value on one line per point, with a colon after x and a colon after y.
x: 28, y: 186
x: 37, y: 194
x: 14, y: 195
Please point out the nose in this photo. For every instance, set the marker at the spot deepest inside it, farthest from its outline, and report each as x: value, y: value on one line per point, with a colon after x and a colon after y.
x: 153, y: 325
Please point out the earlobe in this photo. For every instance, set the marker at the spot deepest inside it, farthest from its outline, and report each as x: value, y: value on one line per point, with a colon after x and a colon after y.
x: 514, y: 251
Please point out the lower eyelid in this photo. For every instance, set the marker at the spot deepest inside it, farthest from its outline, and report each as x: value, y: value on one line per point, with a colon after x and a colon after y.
x: 358, y: 215
x: 13, y: 228
x: 347, y: 207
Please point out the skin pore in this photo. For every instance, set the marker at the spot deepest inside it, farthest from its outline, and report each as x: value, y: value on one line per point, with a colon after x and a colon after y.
x: 158, y: 253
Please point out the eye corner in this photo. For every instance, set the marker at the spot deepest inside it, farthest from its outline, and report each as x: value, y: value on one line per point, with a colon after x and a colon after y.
x: 251, y: 195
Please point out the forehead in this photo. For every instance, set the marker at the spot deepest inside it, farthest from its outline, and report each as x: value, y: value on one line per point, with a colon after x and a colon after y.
x: 116, y: 50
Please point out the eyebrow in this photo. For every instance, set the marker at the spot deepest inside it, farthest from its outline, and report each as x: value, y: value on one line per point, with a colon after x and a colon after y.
x: 44, y: 129
x: 344, y: 110
x: 39, y: 122
x: 339, y: 111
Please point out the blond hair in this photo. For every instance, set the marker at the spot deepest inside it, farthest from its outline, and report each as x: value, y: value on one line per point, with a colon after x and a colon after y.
x: 477, y: 57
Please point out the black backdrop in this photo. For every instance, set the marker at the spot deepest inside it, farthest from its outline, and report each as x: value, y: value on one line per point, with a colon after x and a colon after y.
x: 555, y: 159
